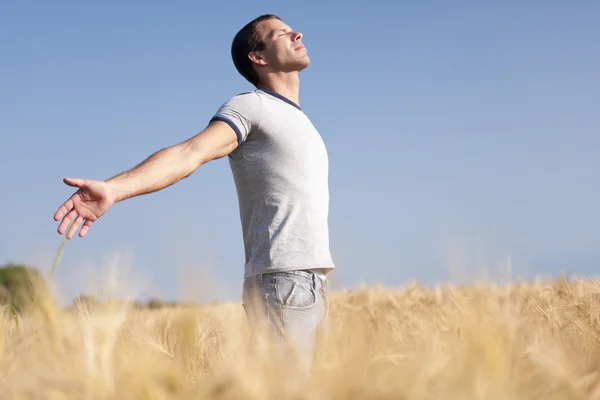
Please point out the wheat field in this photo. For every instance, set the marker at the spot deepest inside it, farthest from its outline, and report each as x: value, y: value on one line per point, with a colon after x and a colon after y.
x: 526, y: 340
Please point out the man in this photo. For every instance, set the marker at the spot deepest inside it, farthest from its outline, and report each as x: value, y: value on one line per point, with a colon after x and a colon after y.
x: 280, y: 168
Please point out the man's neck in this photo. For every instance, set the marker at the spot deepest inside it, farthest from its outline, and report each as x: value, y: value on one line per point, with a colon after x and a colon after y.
x: 287, y: 85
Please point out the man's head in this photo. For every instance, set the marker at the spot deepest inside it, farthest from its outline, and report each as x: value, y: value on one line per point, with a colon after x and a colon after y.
x: 266, y: 45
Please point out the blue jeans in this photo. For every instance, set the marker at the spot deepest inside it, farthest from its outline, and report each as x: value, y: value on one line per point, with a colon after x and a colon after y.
x: 288, y: 314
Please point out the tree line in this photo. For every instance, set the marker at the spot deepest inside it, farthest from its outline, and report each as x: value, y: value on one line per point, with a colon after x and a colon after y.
x: 20, y: 284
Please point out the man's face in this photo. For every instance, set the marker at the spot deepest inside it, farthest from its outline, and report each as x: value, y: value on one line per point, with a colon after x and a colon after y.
x: 284, y: 50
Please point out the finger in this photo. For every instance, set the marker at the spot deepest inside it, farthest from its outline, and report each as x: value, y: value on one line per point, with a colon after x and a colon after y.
x: 74, y: 227
x: 66, y: 221
x: 85, y: 228
x: 63, y: 209
x: 75, y: 182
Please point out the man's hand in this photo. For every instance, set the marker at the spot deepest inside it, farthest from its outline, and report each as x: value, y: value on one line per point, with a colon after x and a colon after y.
x: 87, y: 204
x: 160, y: 170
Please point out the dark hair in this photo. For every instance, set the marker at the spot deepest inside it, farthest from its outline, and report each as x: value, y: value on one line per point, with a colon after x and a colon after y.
x: 245, y: 41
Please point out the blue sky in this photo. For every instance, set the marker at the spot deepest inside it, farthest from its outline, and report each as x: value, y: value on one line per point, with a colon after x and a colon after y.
x: 460, y: 137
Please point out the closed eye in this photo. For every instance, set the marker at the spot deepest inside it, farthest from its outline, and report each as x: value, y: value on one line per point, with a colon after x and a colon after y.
x: 280, y: 33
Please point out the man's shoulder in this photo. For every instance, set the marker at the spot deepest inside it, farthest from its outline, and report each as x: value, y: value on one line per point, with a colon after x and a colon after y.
x: 242, y: 112
x: 244, y: 99
x: 245, y: 95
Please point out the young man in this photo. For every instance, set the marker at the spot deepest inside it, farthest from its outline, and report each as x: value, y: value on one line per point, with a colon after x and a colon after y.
x: 280, y: 168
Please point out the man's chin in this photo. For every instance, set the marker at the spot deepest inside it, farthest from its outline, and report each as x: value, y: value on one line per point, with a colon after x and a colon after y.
x: 304, y: 63
x: 297, y: 66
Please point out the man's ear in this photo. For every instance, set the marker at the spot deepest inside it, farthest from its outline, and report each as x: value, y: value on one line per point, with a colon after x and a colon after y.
x: 256, y: 57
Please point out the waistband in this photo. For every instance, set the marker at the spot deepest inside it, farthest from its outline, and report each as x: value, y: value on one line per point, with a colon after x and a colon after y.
x: 308, y: 273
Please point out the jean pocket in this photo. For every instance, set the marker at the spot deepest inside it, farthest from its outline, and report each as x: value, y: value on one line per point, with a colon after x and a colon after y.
x: 295, y: 294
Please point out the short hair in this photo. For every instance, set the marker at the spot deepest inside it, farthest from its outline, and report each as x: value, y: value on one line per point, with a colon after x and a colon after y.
x: 248, y: 39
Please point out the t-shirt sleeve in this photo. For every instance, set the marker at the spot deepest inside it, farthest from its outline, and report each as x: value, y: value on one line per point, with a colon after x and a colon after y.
x: 242, y: 113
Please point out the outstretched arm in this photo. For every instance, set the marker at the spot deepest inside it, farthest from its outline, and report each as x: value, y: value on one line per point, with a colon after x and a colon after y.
x: 170, y: 165
x: 160, y: 170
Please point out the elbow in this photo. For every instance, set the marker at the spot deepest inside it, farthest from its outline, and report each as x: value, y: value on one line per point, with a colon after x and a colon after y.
x: 192, y: 164
x: 189, y: 160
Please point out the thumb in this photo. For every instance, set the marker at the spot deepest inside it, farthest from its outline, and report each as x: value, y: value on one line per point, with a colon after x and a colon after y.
x: 75, y: 182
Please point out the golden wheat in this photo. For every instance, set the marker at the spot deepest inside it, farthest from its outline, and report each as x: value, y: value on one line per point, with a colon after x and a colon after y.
x: 519, y: 341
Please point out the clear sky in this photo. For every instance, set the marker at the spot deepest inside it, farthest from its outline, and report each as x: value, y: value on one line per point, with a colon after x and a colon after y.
x: 460, y: 137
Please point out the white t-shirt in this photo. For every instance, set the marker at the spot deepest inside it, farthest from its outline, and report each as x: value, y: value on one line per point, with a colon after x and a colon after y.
x: 280, y: 170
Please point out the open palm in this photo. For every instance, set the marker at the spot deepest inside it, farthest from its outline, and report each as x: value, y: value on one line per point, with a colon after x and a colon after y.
x: 85, y: 206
